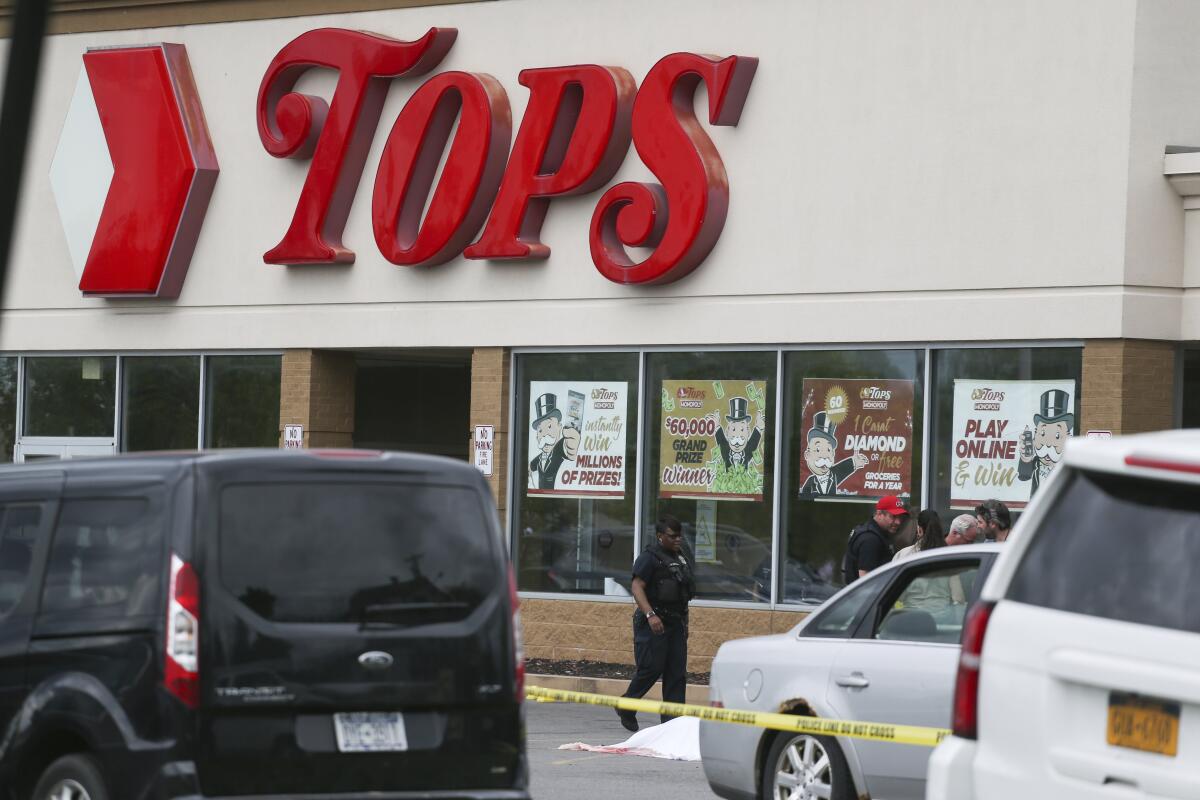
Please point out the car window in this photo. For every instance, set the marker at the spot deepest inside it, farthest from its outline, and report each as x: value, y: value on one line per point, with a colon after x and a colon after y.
x: 837, y: 620
x: 1117, y: 547
x: 928, y: 603
x: 18, y: 531
x: 386, y: 553
x: 105, y: 560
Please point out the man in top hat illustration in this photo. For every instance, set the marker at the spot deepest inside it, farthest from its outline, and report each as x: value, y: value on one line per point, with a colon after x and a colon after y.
x: 556, y: 443
x: 818, y: 456
x: 1043, y: 447
x: 737, y: 439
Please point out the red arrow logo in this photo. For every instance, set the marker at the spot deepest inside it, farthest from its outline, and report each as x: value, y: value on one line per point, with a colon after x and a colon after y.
x: 163, y: 171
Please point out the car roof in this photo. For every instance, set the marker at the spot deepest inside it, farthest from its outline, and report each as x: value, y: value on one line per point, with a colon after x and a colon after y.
x: 980, y: 547
x: 953, y: 550
x: 1167, y: 455
x: 266, y: 458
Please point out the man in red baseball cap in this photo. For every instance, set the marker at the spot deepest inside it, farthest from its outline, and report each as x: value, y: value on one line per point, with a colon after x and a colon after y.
x: 870, y: 544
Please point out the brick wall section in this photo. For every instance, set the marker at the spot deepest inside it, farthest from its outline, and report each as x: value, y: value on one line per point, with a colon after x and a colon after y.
x: 489, y: 406
x: 591, y: 631
x: 317, y: 391
x: 1128, y: 386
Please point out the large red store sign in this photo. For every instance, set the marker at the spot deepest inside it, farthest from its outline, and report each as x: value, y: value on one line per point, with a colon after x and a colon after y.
x: 573, y: 138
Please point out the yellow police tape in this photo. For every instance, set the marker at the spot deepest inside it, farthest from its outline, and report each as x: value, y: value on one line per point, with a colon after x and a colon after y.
x: 879, y: 732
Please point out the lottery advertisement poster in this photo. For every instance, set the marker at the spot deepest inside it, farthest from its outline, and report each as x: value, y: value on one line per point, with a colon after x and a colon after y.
x: 712, y: 438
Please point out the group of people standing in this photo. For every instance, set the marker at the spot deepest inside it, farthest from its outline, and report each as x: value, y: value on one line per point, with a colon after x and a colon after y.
x: 871, y: 544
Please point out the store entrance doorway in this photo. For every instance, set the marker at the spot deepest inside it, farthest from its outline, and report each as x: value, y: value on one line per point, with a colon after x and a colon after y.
x: 417, y: 401
x: 55, y: 448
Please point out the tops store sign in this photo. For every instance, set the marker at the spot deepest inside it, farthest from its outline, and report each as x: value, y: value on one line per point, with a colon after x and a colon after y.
x: 574, y: 136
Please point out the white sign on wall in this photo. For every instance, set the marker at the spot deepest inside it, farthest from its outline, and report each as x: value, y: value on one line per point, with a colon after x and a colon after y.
x: 577, y: 433
x: 1008, y: 437
x: 485, y: 448
x: 293, y: 436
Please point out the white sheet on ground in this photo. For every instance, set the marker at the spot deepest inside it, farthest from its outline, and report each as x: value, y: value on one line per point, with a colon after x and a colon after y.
x: 678, y: 740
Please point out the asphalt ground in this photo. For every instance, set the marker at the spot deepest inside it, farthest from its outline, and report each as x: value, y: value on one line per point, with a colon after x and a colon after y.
x: 557, y: 774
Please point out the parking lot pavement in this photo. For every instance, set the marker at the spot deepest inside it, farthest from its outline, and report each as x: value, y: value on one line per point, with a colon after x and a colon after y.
x: 556, y: 774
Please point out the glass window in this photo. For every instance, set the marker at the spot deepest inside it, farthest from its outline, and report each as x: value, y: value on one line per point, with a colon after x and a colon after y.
x: 854, y: 433
x: 17, y: 537
x: 70, y: 395
x: 710, y: 445
x: 160, y: 409
x: 575, y: 449
x: 8, y: 408
x: 1000, y: 421
x: 242, y: 401
x: 105, y: 561
x: 356, y: 552
x: 837, y: 620
x: 1120, y: 548
x: 929, y: 604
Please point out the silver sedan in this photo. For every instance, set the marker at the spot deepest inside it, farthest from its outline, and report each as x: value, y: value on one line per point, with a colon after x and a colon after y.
x: 884, y: 649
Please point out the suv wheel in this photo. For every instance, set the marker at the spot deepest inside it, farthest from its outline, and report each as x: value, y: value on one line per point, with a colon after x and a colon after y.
x: 73, y: 777
x: 803, y: 767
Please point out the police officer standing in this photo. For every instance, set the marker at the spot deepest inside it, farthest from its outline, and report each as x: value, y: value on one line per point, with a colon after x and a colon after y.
x: 662, y: 586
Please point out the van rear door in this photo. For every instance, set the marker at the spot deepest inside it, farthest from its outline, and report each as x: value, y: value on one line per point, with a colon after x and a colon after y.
x: 1096, y: 641
x: 355, y: 636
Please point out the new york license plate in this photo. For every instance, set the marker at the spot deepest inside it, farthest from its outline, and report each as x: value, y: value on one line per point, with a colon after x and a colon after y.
x: 1143, y: 723
x: 370, y: 732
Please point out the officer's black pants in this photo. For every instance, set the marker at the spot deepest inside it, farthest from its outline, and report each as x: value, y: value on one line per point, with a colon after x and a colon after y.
x: 662, y: 656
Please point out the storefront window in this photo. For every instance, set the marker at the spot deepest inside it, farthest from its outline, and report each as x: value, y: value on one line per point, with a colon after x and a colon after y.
x: 1000, y: 421
x: 8, y: 408
x: 160, y: 408
x: 242, y: 401
x: 575, y: 446
x: 70, y: 395
x: 853, y: 433
x: 710, y: 448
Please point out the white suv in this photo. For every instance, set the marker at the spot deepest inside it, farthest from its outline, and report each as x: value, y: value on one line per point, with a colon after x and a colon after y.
x: 1080, y: 666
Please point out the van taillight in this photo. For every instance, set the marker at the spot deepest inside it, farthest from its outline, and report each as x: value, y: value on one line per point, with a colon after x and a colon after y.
x: 183, y: 634
x: 518, y: 639
x: 966, y: 690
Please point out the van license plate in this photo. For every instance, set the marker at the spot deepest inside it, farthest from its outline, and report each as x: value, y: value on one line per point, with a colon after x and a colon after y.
x: 370, y: 732
x: 1143, y: 723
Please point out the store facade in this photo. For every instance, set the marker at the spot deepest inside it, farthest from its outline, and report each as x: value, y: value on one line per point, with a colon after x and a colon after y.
x: 899, y: 249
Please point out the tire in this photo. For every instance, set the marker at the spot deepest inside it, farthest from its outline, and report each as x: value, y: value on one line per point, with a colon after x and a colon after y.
x: 804, y: 767
x: 73, y: 777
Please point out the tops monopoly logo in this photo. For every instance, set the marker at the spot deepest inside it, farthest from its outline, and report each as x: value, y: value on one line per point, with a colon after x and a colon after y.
x: 574, y: 136
x: 987, y: 399
x: 874, y: 398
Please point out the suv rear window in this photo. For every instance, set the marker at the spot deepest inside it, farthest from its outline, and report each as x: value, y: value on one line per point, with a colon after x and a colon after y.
x: 356, y: 552
x: 1118, y: 547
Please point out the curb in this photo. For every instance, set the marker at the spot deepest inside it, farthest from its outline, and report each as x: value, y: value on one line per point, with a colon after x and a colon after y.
x: 697, y: 693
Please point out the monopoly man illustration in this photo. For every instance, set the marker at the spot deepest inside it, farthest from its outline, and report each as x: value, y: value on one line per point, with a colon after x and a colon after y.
x: 818, y: 456
x: 1042, y: 448
x: 737, y: 439
x: 557, y: 444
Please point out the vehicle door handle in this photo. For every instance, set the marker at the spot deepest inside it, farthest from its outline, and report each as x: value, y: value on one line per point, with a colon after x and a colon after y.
x: 855, y: 680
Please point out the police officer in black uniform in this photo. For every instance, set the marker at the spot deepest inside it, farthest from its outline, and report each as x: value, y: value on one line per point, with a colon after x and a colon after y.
x: 663, y: 584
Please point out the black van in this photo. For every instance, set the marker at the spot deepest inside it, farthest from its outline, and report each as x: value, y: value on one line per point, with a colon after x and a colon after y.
x: 266, y: 623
